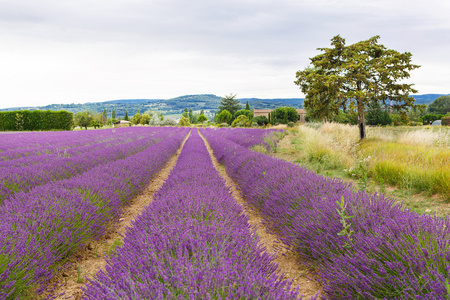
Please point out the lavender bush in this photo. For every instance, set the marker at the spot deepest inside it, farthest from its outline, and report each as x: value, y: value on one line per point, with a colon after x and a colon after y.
x: 57, y: 165
x: 192, y: 242
x: 39, y: 228
x: 364, y: 246
x: 248, y: 137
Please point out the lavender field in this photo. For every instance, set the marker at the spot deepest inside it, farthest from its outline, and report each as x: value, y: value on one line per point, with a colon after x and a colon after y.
x: 61, y: 190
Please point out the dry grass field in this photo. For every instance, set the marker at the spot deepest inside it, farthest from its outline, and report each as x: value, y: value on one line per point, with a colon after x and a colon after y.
x: 411, y: 164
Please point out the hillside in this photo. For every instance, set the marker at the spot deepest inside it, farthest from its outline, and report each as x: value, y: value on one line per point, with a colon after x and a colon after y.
x: 174, y: 106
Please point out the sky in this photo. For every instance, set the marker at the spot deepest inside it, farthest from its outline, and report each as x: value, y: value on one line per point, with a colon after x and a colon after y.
x: 59, y: 51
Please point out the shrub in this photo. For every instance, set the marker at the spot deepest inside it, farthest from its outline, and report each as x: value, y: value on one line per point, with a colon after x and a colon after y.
x: 445, y: 121
x: 244, y: 112
x: 286, y: 114
x: 184, y: 121
x: 36, y: 120
x: 261, y: 120
x: 241, y: 120
x: 168, y: 122
x: 224, y: 117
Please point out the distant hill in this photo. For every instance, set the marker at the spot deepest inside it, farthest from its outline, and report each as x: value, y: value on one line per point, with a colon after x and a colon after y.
x: 207, y: 102
x: 427, y: 98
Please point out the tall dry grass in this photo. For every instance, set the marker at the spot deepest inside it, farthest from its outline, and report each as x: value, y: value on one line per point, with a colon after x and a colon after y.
x: 413, y: 158
x: 332, y: 144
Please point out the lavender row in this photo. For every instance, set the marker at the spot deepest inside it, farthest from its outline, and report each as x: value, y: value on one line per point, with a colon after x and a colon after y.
x: 364, y: 246
x: 47, y: 224
x: 17, y: 179
x: 76, y: 142
x: 249, y: 137
x: 22, y: 144
x: 192, y: 242
x: 70, y: 149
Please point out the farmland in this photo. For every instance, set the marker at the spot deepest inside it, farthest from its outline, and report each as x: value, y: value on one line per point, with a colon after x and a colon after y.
x: 64, y: 191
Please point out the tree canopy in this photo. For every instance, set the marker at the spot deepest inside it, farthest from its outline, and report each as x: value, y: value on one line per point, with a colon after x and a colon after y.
x: 224, y: 117
x: 351, y: 77
x: 229, y: 103
x: 440, y: 106
x: 83, y: 118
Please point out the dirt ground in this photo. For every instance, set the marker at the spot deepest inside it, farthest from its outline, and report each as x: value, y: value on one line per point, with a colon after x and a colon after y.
x: 88, y: 261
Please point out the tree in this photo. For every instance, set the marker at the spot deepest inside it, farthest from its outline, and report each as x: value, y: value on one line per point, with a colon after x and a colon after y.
x: 113, y: 114
x: 224, y: 117
x: 83, y: 118
x: 126, y: 118
x: 97, y: 120
x: 104, y: 117
x: 185, y: 113
x: 145, y: 119
x: 247, y: 106
x: 202, y: 118
x: 136, y: 119
x: 440, y: 106
x: 376, y: 115
x: 285, y: 115
x: 350, y: 77
x: 184, y: 121
x: 230, y: 104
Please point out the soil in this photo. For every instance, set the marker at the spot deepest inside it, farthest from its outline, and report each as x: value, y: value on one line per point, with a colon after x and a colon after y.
x: 290, y: 266
x: 88, y: 261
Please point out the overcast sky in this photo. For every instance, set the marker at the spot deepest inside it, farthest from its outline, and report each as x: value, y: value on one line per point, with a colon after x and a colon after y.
x: 57, y: 51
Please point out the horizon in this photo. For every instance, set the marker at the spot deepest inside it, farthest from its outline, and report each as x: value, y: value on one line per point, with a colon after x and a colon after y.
x: 156, y: 99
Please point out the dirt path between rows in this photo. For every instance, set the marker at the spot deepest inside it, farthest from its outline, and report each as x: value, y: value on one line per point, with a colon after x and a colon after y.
x: 289, y: 263
x: 88, y: 261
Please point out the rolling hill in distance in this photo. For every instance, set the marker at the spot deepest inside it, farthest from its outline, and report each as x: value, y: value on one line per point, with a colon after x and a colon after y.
x: 175, y: 106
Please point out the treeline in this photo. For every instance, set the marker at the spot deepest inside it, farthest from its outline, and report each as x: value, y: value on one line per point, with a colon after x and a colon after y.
x: 376, y: 114
x: 26, y: 120
x: 230, y: 112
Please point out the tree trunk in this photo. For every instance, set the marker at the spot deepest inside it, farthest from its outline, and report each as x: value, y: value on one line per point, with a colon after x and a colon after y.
x: 361, y: 122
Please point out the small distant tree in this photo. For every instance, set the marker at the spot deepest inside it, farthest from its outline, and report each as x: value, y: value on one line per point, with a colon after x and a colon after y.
x: 184, y: 121
x: 230, y: 104
x: 104, y: 117
x: 440, y: 106
x: 376, y: 115
x: 224, y: 117
x: 247, y: 106
x: 126, y: 118
x: 202, y: 118
x: 145, y: 119
x: 136, y: 119
x: 83, y: 119
x: 285, y: 115
x: 97, y: 120
x: 185, y: 113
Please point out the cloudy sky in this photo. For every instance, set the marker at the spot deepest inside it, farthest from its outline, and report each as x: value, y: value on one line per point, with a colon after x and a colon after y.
x: 58, y: 51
